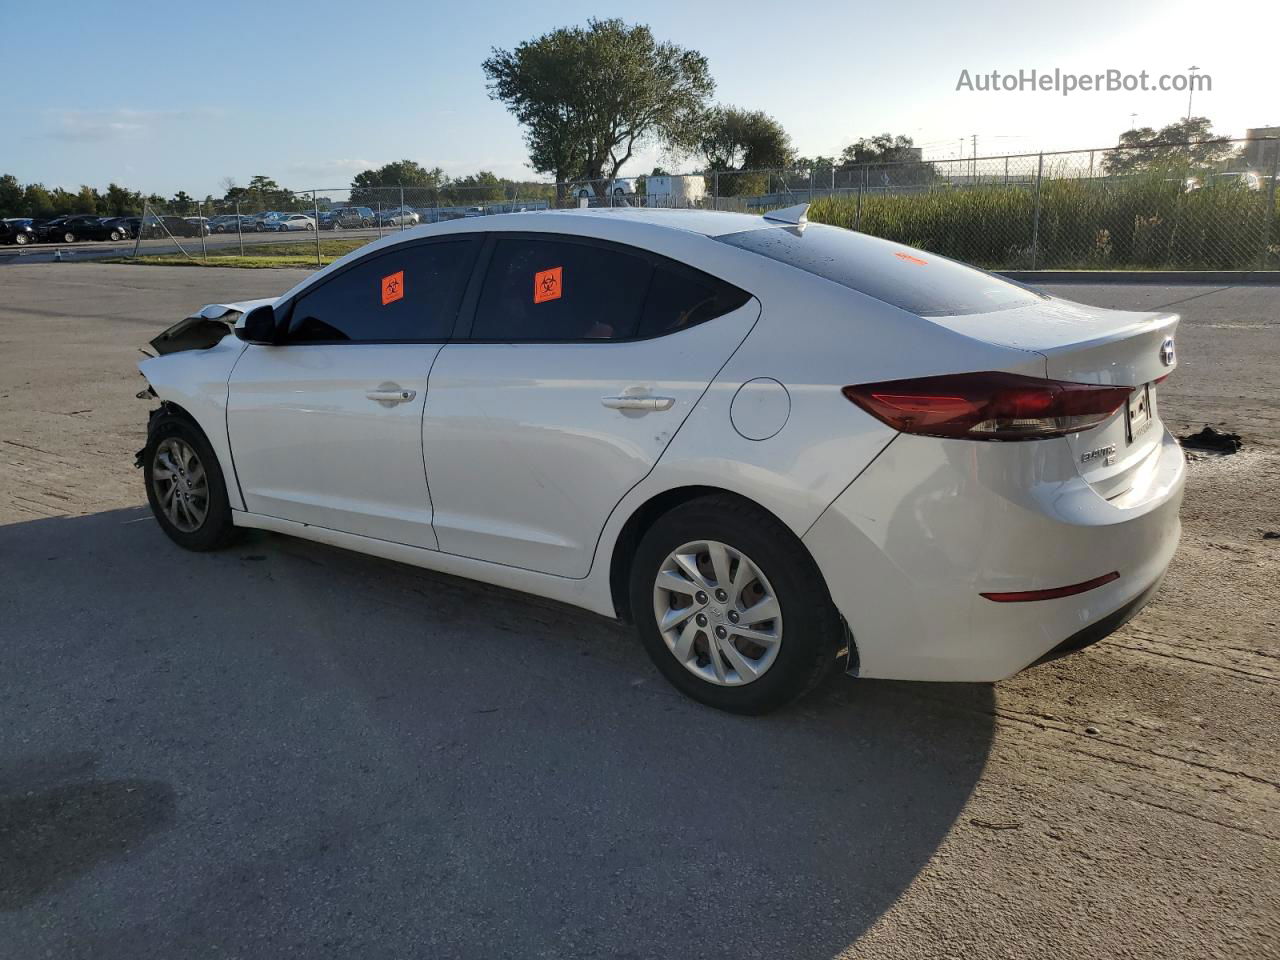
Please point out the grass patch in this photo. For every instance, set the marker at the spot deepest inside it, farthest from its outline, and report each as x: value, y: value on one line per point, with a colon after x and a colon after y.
x: 256, y: 255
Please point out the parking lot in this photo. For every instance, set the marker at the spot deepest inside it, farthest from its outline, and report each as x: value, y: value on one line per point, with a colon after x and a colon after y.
x: 287, y: 750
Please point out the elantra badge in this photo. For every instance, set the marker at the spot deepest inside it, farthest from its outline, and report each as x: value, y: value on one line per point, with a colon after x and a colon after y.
x: 1167, y: 355
x: 1106, y: 454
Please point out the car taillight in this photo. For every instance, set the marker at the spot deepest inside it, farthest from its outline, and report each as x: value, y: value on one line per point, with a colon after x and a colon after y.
x: 988, y: 406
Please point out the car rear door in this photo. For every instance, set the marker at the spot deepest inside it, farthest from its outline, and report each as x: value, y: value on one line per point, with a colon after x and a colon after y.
x: 576, y: 366
x: 326, y: 427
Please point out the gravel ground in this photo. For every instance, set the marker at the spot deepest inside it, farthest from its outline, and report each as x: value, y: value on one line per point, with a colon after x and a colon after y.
x: 284, y: 750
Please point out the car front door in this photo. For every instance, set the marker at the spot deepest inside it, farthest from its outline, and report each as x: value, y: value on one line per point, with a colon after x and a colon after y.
x: 326, y: 427
x: 579, y: 363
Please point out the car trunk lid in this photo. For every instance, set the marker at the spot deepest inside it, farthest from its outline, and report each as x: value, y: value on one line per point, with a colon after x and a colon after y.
x: 1083, y: 344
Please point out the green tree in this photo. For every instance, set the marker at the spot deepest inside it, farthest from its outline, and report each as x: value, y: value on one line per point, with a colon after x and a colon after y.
x: 886, y: 161
x: 736, y: 139
x: 36, y: 201
x: 64, y: 201
x: 1144, y: 148
x: 882, y: 148
x: 371, y: 187
x: 740, y: 145
x: 87, y: 200
x: 589, y: 97
x: 11, y: 196
x: 119, y: 202
x: 475, y: 188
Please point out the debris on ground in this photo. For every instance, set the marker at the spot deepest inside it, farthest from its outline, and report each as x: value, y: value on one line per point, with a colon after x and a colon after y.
x: 996, y: 824
x: 1212, y: 441
x: 1271, y: 535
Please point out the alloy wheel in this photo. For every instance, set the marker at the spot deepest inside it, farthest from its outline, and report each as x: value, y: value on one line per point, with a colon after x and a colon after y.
x: 717, y: 613
x: 180, y: 483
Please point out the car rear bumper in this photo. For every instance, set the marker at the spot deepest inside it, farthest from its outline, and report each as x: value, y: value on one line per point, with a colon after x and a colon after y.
x: 910, y: 546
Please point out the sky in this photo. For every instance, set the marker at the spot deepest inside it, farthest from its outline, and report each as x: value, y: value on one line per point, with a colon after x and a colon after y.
x: 167, y: 96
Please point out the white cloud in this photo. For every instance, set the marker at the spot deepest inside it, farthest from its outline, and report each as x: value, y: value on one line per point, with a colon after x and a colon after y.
x: 120, y: 123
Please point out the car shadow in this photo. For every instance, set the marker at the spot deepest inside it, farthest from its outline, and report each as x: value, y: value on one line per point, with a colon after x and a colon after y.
x: 370, y: 759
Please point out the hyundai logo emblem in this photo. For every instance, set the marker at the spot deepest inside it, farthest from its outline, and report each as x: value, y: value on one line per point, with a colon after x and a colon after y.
x: 1167, y: 355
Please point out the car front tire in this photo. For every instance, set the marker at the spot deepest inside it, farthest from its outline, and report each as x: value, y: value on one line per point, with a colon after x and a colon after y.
x: 731, y: 607
x: 68, y: 237
x: 21, y: 239
x: 185, y: 486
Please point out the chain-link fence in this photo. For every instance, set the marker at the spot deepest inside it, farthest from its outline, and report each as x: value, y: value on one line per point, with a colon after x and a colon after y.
x: 1202, y: 206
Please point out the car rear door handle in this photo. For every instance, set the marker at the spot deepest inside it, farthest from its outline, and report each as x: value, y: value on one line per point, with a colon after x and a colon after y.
x: 638, y: 403
x: 384, y: 395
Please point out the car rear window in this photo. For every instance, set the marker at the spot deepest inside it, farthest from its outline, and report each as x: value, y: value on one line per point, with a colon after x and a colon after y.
x: 919, y: 282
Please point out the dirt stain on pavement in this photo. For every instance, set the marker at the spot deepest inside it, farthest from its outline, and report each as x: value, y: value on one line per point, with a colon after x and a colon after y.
x: 57, y: 821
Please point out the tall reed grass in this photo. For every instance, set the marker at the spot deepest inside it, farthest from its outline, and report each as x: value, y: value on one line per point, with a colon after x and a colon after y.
x: 1148, y: 221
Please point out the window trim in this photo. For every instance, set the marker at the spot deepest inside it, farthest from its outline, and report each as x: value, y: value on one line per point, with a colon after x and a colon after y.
x: 471, y: 300
x: 285, y: 317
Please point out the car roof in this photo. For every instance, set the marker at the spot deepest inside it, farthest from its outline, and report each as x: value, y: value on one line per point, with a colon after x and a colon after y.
x: 709, y: 223
x: 645, y: 228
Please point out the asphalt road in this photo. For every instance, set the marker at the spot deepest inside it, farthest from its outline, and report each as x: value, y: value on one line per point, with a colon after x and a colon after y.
x: 286, y: 750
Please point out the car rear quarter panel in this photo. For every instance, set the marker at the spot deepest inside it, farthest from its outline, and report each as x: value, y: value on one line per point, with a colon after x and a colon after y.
x: 813, y: 337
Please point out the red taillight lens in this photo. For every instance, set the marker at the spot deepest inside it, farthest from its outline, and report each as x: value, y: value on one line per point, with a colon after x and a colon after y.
x: 988, y: 406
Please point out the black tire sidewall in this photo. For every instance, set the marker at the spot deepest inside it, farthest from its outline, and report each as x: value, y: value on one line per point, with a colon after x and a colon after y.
x: 812, y: 631
x: 217, y: 529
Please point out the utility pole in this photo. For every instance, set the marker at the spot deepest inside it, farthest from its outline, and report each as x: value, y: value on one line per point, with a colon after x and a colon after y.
x: 1191, y: 91
x: 975, y: 156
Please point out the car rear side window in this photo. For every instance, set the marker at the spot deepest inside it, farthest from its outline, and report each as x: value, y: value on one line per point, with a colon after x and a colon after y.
x: 916, y: 281
x: 409, y: 293
x: 556, y: 289
x: 680, y: 297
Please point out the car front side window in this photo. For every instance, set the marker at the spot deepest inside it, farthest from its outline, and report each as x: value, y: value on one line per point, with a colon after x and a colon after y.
x: 409, y: 293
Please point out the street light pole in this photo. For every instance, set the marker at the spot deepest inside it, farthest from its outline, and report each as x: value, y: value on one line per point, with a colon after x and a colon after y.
x: 1191, y: 89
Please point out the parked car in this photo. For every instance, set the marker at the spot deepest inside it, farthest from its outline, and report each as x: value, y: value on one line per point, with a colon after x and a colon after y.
x: 1236, y: 178
x: 260, y: 220
x: 720, y: 437
x: 17, y: 231
x: 347, y: 218
x: 289, y: 221
x: 158, y: 227
x: 75, y: 227
x: 127, y: 225
x: 618, y: 188
x: 398, y: 216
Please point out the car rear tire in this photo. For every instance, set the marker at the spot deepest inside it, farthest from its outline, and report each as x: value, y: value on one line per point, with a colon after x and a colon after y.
x: 185, y: 486
x: 712, y: 584
x: 68, y: 237
x: 21, y: 239
x: 116, y: 236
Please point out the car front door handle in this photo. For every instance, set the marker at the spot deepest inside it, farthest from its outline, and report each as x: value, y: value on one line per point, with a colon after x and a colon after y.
x: 638, y: 403
x: 396, y: 395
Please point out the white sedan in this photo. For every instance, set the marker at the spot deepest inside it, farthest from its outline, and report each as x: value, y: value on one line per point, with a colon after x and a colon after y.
x: 777, y: 448
x: 290, y: 221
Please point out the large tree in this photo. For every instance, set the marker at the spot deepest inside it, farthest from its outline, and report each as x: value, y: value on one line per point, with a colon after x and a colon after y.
x: 736, y: 139
x: 1186, y: 143
x: 885, y: 161
x: 589, y: 97
x: 882, y: 148
x: 372, y: 187
x: 10, y: 196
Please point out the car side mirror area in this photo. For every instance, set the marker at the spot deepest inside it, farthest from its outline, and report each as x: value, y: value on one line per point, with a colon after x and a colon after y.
x: 259, y: 326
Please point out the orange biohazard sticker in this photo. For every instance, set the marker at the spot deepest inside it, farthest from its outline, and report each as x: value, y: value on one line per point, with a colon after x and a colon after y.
x: 547, y: 285
x: 910, y: 259
x: 393, y: 288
